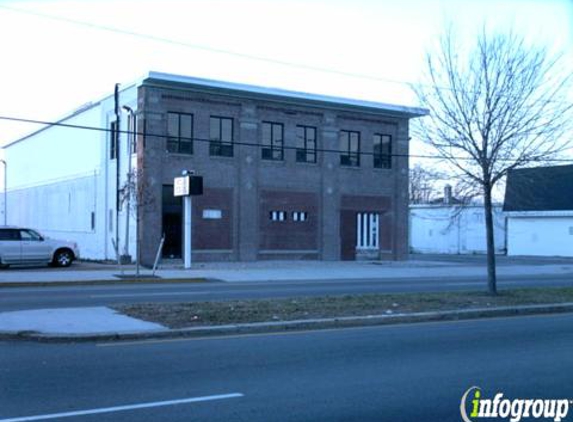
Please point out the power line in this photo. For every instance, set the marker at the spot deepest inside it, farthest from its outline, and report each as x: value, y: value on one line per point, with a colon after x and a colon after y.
x: 170, y: 41
x: 165, y: 40
x: 145, y: 134
x: 234, y: 53
x: 179, y: 43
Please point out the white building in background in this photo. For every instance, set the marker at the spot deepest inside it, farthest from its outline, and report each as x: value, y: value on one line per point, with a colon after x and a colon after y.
x: 539, y: 209
x: 453, y: 229
x: 62, y: 179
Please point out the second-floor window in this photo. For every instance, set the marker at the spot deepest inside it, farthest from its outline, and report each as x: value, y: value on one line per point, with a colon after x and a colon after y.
x: 221, y: 136
x: 349, y: 148
x: 273, y: 141
x: 382, y: 151
x: 305, y: 144
x: 180, y: 133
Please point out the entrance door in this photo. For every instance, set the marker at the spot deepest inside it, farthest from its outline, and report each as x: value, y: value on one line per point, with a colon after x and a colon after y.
x: 358, y: 231
x: 172, y: 224
x: 347, y: 235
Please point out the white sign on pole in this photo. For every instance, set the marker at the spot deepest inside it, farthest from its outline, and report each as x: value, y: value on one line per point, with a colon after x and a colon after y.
x: 181, y: 186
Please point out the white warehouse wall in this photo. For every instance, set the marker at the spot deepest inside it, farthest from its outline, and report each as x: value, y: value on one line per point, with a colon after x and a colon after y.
x: 56, y: 152
x: 540, y: 236
x: 453, y: 230
x: 62, y: 210
x: 59, y: 176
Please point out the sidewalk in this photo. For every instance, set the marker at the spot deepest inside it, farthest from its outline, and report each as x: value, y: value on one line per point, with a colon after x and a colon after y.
x: 277, y: 271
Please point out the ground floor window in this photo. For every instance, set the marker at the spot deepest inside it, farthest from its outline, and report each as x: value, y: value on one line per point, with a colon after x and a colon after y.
x: 299, y: 216
x: 367, y: 230
x: 278, y: 215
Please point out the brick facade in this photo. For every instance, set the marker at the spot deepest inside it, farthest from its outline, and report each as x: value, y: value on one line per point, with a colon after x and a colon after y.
x: 246, y: 188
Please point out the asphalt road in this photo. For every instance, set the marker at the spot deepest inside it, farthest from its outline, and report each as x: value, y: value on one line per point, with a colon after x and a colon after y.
x: 73, y: 296
x: 415, y: 372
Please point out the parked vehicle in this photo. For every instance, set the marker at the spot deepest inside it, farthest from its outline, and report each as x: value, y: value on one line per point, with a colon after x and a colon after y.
x: 23, y: 246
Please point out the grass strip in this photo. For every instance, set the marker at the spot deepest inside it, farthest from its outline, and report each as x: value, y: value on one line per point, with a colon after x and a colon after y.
x: 191, y: 314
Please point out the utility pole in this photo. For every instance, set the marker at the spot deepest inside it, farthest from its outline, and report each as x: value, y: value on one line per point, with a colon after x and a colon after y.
x: 117, y: 179
x: 5, y: 191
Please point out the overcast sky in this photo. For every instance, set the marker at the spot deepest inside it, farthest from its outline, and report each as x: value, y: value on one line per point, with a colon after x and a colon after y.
x: 58, y: 55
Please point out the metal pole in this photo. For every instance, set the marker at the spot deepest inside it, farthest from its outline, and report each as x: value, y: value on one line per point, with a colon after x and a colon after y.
x: 117, y: 169
x: 130, y: 135
x: 187, y: 230
x: 158, y: 254
x: 5, y: 191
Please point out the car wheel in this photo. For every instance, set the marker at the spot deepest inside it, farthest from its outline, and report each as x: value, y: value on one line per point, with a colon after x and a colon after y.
x: 63, y: 258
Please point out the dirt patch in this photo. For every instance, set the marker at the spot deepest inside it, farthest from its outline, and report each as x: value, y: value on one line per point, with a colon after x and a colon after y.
x: 191, y: 314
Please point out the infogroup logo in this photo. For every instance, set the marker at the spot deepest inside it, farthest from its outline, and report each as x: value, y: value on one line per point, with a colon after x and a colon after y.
x: 515, y: 409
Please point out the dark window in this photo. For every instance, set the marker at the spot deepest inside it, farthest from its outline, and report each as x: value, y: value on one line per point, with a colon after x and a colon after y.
x: 113, y: 140
x: 9, y: 234
x: 349, y: 148
x: 221, y: 129
x: 382, y: 151
x: 180, y: 133
x: 305, y: 144
x: 272, y: 141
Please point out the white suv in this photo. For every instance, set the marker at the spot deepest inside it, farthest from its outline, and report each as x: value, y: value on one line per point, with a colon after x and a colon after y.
x: 25, y: 246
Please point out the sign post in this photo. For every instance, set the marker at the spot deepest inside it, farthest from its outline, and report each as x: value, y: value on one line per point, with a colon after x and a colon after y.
x: 187, y: 185
x: 187, y: 227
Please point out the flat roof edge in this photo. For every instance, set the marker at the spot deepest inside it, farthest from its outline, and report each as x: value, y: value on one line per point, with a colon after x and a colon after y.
x: 410, y: 112
x: 287, y: 94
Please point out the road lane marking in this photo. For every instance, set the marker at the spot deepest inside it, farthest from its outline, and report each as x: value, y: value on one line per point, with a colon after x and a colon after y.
x: 123, y: 408
x: 274, y: 290
x: 277, y: 288
x: 501, y: 283
x: 148, y: 294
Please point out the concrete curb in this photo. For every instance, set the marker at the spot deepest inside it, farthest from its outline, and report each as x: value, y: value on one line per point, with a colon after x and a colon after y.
x: 296, y: 325
x: 104, y: 282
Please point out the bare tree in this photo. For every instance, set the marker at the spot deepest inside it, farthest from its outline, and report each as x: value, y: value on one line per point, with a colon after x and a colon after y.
x: 135, y: 194
x: 502, y: 104
x: 422, y: 181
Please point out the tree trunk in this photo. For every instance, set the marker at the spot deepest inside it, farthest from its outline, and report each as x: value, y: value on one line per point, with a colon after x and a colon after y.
x: 491, y: 275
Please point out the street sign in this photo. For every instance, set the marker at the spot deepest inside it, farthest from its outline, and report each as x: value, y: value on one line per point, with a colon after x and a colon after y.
x: 181, y: 186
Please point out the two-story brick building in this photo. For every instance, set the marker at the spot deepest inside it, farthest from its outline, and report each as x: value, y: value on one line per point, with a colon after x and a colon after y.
x: 286, y: 174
